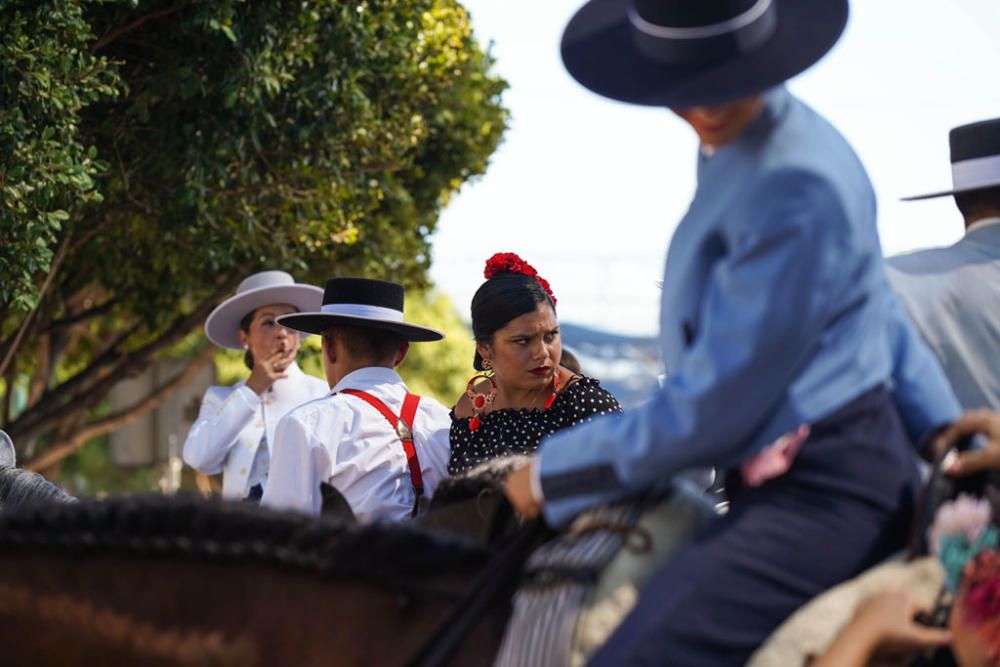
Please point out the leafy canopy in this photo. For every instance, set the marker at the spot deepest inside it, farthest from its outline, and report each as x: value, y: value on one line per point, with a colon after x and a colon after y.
x: 153, y: 153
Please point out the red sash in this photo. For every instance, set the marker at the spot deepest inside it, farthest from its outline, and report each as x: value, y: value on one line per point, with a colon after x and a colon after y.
x: 403, y: 425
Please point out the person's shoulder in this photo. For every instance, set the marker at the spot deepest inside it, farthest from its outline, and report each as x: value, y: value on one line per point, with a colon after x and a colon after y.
x: 807, y: 143
x: 318, y: 408
x: 928, y: 261
x: 463, y: 406
x: 221, y: 392
x: 314, y: 381
x: 584, y: 387
x: 434, y: 407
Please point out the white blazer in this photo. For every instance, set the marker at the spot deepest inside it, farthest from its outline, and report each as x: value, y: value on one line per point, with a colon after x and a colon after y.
x: 232, y: 420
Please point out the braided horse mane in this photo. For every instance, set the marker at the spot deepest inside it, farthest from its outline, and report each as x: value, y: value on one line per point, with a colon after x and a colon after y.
x: 247, y: 585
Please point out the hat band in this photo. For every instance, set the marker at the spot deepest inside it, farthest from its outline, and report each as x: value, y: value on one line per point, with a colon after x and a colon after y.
x: 363, y: 310
x: 734, y: 36
x: 980, y: 172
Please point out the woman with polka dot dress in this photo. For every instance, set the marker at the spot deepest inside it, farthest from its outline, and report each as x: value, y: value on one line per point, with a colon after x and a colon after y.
x: 522, y: 393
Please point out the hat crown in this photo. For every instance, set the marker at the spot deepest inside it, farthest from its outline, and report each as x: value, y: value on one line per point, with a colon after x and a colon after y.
x: 674, y: 31
x: 265, y: 279
x: 364, y: 291
x: 975, y: 140
x: 688, y: 14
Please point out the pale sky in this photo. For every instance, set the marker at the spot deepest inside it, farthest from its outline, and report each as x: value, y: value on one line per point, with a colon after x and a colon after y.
x: 589, y: 190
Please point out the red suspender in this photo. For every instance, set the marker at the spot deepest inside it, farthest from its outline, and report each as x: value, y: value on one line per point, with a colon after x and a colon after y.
x: 403, y: 425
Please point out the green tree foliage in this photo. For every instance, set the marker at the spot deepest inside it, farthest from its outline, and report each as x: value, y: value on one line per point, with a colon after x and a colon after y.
x: 317, y: 137
x: 439, y: 369
x: 47, y: 77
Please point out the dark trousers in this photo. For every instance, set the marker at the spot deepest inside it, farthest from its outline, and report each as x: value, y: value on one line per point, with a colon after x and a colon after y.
x: 845, y: 504
x: 254, y: 495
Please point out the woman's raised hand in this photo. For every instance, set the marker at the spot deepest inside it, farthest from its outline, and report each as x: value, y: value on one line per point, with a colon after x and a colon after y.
x: 269, y: 369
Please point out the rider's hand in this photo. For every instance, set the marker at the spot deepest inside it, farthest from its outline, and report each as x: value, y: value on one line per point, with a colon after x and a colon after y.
x: 267, y: 370
x: 889, y: 616
x: 517, y: 488
x: 983, y: 422
x: 882, y: 625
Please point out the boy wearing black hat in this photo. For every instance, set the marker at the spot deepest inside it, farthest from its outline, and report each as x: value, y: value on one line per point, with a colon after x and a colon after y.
x: 953, y: 293
x: 383, y: 448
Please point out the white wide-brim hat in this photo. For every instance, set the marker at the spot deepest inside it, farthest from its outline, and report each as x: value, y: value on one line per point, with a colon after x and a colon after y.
x: 261, y: 289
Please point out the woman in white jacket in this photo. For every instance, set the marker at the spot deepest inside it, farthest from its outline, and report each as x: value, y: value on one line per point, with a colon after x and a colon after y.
x: 236, y: 423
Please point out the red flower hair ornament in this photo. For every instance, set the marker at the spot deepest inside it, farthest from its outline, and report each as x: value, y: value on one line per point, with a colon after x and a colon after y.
x: 509, y: 262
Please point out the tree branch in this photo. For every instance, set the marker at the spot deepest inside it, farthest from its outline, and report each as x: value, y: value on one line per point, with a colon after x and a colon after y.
x: 112, y: 35
x: 40, y: 380
x: 83, y: 315
x: 8, y: 394
x: 58, y: 451
x: 53, y: 268
x: 87, y: 388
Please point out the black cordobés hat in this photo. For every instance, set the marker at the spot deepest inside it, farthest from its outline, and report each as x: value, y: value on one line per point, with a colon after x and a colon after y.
x: 360, y: 302
x: 687, y: 53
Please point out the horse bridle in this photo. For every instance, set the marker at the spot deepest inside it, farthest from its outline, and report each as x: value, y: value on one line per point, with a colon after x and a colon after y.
x: 500, y: 574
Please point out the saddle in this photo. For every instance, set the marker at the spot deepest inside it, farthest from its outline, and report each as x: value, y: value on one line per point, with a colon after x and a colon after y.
x: 578, y: 587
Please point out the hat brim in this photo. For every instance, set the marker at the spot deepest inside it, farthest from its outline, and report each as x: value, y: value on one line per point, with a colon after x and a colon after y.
x: 223, y: 324
x: 600, y: 53
x: 317, y: 323
x: 953, y: 191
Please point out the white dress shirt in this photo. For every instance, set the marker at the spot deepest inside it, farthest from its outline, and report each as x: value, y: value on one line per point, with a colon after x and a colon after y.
x: 344, y: 441
x: 235, y: 423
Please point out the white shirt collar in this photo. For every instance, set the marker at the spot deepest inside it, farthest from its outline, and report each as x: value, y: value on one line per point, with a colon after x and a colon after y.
x: 368, y: 377
x: 984, y: 222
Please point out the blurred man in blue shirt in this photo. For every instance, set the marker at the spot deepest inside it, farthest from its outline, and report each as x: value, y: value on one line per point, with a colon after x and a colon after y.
x: 775, y: 314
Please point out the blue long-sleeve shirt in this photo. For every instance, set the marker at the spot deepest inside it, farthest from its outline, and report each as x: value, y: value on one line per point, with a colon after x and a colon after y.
x: 775, y: 313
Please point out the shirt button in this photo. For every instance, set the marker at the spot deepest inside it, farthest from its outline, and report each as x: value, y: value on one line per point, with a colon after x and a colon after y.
x: 268, y: 400
x: 258, y: 423
x: 243, y: 471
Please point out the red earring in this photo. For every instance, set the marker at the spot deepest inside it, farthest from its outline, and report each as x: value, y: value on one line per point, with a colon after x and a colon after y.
x: 555, y: 389
x: 479, y: 400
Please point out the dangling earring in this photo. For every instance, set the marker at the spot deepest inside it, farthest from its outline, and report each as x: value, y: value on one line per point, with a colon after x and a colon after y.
x: 555, y: 389
x: 479, y: 400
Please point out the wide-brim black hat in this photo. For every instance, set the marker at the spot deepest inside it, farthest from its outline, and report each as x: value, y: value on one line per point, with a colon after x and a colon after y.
x: 975, y: 159
x: 360, y: 302
x: 684, y: 53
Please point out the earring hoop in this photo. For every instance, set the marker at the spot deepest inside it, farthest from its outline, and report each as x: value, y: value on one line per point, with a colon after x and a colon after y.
x: 555, y: 389
x: 480, y: 401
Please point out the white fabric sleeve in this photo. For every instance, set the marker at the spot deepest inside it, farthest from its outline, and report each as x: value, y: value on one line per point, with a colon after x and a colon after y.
x: 218, y: 427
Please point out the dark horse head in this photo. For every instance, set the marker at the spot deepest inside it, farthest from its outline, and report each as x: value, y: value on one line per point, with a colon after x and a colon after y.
x: 19, y: 487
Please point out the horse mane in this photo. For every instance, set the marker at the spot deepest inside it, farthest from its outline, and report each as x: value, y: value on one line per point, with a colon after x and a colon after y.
x: 19, y: 487
x: 192, y: 527
x: 487, y: 476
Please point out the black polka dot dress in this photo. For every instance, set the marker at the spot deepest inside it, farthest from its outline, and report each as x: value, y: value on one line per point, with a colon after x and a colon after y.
x: 510, y: 431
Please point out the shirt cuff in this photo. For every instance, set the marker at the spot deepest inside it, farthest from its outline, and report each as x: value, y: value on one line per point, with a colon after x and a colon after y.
x: 535, y: 479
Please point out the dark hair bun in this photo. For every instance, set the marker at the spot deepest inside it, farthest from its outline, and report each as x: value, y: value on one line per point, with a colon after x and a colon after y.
x: 512, y: 288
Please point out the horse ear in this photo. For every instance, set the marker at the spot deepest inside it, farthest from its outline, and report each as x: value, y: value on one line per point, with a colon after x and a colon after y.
x: 7, y: 456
